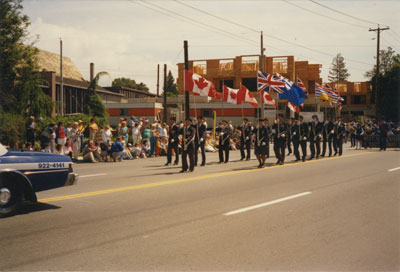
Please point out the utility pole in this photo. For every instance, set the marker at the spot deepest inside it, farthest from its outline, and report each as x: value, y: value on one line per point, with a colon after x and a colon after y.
x: 158, y: 80
x: 378, y: 32
x: 187, y: 101
x: 61, y: 80
x: 262, y: 70
x: 165, y: 94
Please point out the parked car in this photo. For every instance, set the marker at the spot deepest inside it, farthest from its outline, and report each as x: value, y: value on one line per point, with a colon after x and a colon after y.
x: 24, y: 173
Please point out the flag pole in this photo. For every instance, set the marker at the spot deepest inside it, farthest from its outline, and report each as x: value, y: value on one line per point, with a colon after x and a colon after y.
x: 187, y: 101
x: 241, y: 105
x: 222, y: 99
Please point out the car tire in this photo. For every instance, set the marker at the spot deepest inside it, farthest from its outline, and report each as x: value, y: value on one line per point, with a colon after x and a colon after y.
x: 10, y: 198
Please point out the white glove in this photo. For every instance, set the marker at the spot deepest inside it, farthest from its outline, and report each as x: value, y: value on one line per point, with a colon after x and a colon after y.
x: 304, y: 138
x: 263, y: 143
x: 172, y: 140
x: 332, y: 131
x: 247, y: 138
x: 221, y: 134
x: 294, y: 133
x: 283, y: 135
x: 201, y: 139
x: 319, y: 136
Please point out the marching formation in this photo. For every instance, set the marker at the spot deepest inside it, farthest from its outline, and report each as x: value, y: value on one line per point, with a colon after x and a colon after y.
x: 324, y: 138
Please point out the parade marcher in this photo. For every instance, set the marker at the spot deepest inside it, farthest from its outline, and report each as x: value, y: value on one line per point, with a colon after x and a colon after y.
x: 173, y: 142
x: 261, y: 143
x: 245, y: 139
x: 327, y: 136
x: 359, y: 136
x: 268, y: 128
x: 315, y: 136
x: 224, y: 141
x: 383, y: 133
x: 188, y: 146
x: 303, y: 137
x: 295, y: 132
x: 201, y: 134
x: 340, y: 131
x: 289, y: 136
x: 280, y: 130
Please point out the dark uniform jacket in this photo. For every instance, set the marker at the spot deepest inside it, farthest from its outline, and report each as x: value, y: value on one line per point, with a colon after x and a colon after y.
x: 173, y: 134
x: 316, y: 129
x: 280, y: 131
x: 328, y: 127
x: 226, y: 135
x: 339, y: 129
x: 303, y: 131
x: 246, y: 132
x: 261, y: 136
x: 201, y: 132
x: 189, y: 137
x: 295, y: 132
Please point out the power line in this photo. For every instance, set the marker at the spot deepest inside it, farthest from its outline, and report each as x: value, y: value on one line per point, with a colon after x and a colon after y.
x: 269, y: 35
x: 351, y: 16
x: 325, y: 16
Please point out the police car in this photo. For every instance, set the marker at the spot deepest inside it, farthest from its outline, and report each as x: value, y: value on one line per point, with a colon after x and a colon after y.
x: 23, y: 174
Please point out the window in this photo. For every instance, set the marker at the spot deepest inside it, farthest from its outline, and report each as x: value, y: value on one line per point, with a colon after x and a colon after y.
x: 225, y: 65
x: 342, y: 87
x: 200, y: 67
x: 359, y: 99
x: 250, y: 64
x: 250, y: 83
x: 206, y: 113
x: 123, y: 112
x: 345, y: 100
x: 280, y: 65
x: 227, y: 83
x: 357, y: 87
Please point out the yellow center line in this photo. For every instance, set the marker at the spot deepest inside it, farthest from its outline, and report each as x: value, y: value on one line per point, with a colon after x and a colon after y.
x: 169, y: 182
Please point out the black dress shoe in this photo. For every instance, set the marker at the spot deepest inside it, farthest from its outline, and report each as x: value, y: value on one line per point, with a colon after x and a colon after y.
x: 247, y: 159
x: 175, y: 163
x: 278, y: 162
x: 296, y: 160
x: 304, y: 159
x: 281, y: 163
x: 182, y: 171
x: 167, y: 164
x: 241, y: 159
x: 202, y: 164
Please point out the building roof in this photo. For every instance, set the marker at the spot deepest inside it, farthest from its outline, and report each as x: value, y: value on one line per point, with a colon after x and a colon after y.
x: 51, y: 62
x: 83, y: 84
x: 117, y: 89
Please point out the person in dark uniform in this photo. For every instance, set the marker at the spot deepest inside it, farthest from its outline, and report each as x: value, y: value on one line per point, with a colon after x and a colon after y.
x: 224, y: 142
x: 188, y: 145
x: 201, y: 133
x: 280, y: 131
x: 295, y: 131
x: 303, y: 137
x: 315, y: 136
x: 174, y: 131
x: 245, y: 138
x: 327, y: 135
x: 289, y: 136
x: 261, y: 143
x: 383, y: 132
x: 339, y: 132
x: 268, y: 128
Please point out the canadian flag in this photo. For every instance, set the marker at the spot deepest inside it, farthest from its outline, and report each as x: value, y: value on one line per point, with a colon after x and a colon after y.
x: 198, y: 85
x: 266, y: 98
x: 248, y: 97
x: 233, y: 96
x: 293, y: 107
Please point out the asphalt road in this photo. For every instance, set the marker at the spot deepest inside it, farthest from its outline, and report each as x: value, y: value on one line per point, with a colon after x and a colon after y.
x: 341, y: 213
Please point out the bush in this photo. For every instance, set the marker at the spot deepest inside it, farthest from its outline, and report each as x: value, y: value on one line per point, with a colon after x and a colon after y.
x: 12, y: 129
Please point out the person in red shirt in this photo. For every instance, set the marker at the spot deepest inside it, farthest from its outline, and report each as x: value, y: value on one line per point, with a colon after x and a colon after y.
x: 60, y: 134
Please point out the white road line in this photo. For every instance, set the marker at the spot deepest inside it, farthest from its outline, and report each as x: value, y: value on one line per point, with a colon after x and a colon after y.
x: 394, y: 169
x: 94, y: 175
x: 266, y: 204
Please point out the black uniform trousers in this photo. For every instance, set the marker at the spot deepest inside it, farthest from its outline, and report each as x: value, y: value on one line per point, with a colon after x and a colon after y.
x: 173, y: 146
x: 185, y: 153
x: 289, y: 140
x: 244, y: 144
x: 382, y: 142
x: 296, y: 144
x: 303, y: 144
x: 279, y: 149
x: 315, y: 146
x: 339, y: 145
x: 203, y: 152
x: 223, y: 149
x: 327, y: 142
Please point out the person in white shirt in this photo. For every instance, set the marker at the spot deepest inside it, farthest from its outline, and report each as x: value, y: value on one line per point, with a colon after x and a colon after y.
x: 75, y: 140
x: 107, y: 135
x: 136, y: 134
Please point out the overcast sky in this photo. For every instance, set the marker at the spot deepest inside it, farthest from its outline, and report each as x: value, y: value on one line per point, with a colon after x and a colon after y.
x: 129, y: 38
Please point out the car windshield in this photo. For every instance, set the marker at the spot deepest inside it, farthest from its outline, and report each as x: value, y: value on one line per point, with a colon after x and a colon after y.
x: 3, y: 150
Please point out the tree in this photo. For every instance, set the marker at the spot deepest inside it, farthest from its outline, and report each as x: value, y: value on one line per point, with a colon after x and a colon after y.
x: 388, y: 59
x: 19, y: 72
x: 129, y: 83
x: 93, y: 104
x: 171, y: 87
x: 338, y: 71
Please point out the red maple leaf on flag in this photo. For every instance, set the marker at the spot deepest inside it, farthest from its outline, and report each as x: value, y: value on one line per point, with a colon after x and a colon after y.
x: 233, y: 95
x: 201, y: 83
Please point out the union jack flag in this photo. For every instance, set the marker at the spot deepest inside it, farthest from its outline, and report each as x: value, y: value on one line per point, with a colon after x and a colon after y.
x: 268, y: 82
x: 301, y: 85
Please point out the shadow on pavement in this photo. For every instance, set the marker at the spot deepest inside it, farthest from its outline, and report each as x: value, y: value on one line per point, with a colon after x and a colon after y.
x: 31, y: 207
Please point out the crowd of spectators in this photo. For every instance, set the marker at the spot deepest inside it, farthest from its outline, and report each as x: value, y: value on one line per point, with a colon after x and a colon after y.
x: 138, y: 138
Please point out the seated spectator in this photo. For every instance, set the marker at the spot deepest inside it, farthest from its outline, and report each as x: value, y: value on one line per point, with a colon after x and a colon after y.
x: 163, y: 146
x: 28, y: 147
x: 146, y: 148
x: 91, y: 153
x: 117, y: 150
x: 127, y: 152
x: 67, y: 149
x: 47, y: 148
x: 209, y: 146
x: 59, y: 150
x: 232, y: 145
